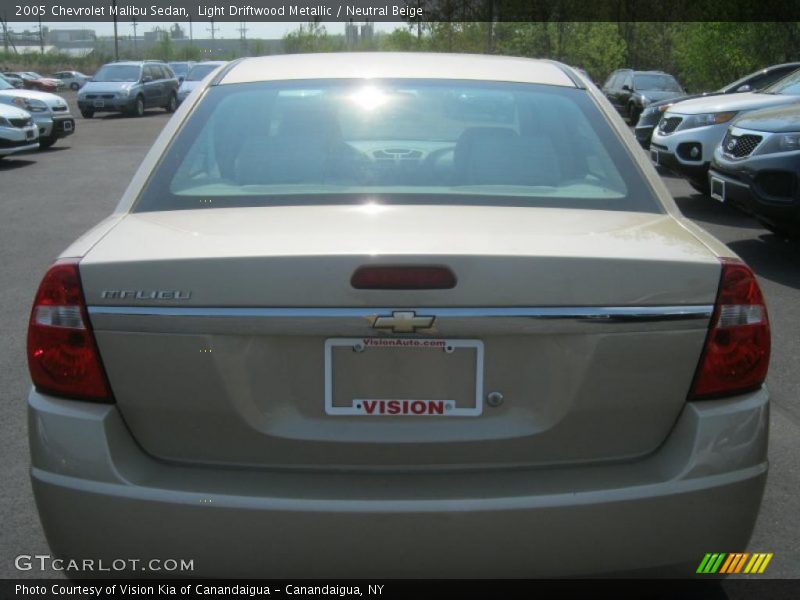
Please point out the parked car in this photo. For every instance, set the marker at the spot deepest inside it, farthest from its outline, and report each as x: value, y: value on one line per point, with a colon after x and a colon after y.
x: 756, y: 167
x: 17, y: 131
x: 50, y: 112
x: 327, y: 304
x: 129, y: 87
x: 753, y: 82
x: 75, y: 80
x: 60, y: 85
x: 631, y: 91
x: 197, y: 73
x: 31, y: 81
x: 181, y: 68
x: 14, y: 81
x: 690, y: 131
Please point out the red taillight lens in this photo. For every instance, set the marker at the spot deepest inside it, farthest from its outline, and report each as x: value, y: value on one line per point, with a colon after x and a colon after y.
x: 62, y: 354
x: 403, y: 278
x: 736, y: 356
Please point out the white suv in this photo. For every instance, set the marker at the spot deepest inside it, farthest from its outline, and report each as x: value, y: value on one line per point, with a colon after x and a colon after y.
x: 689, y: 131
x: 18, y: 133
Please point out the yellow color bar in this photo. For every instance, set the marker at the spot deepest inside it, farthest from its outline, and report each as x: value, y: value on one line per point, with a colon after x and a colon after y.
x: 765, y: 563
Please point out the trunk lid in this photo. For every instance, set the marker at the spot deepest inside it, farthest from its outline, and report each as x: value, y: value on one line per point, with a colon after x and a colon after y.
x: 226, y: 332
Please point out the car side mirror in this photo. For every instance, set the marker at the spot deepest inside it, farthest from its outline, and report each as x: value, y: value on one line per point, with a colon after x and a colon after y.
x: 181, y: 78
x: 147, y: 79
x: 627, y: 88
x: 744, y: 88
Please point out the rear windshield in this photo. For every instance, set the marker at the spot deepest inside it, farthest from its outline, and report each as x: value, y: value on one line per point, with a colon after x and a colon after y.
x: 198, y: 72
x: 656, y: 83
x: 179, y: 68
x: 110, y: 73
x: 396, y: 141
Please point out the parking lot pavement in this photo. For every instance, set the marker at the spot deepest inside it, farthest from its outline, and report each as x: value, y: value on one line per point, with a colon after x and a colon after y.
x: 48, y: 199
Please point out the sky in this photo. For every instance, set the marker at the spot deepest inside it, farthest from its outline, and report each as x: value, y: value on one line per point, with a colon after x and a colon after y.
x: 200, y: 29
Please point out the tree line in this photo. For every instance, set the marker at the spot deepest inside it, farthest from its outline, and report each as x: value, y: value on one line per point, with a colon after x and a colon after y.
x: 703, y: 55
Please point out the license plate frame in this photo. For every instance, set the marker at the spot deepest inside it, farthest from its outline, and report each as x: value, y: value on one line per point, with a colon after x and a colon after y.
x: 99, y: 104
x: 67, y: 126
x: 375, y: 344
x: 717, y: 188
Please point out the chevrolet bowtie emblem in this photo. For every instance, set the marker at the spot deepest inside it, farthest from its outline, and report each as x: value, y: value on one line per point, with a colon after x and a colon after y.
x: 403, y: 322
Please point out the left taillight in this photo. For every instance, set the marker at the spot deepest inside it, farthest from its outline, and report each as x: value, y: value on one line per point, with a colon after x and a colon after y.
x: 62, y: 354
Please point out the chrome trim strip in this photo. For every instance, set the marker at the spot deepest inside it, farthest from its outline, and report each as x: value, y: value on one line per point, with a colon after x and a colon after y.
x: 583, y: 313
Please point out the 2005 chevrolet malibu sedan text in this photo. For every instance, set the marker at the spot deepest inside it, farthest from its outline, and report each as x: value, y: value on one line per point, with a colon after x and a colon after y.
x: 398, y: 315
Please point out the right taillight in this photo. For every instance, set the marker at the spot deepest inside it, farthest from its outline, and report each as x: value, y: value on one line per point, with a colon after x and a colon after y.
x: 736, y: 355
x: 62, y: 355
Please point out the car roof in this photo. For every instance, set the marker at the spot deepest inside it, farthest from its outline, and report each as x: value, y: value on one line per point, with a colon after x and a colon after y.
x: 401, y: 65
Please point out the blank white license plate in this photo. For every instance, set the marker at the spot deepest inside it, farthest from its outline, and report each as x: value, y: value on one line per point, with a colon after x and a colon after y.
x: 99, y: 104
x: 403, y: 377
x: 717, y: 189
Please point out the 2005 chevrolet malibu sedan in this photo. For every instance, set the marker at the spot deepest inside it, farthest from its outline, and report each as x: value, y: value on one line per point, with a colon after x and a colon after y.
x: 398, y: 315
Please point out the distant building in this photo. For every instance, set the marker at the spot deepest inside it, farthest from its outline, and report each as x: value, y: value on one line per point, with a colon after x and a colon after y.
x: 351, y: 34
x: 367, y: 31
x: 61, y: 36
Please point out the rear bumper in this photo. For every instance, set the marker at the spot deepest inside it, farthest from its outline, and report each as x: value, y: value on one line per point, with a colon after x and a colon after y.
x: 99, y: 496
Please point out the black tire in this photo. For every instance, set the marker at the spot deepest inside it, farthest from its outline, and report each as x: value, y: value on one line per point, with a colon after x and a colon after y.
x: 74, y: 86
x: 172, y: 103
x: 87, y: 113
x: 781, y: 230
x: 701, y: 187
x: 633, y: 114
x: 138, y: 107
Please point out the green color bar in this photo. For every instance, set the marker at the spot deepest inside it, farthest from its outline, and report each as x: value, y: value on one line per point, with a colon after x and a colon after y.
x: 701, y: 568
x: 717, y: 564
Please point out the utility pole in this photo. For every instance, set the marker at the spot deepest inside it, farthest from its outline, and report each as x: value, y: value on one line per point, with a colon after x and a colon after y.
x: 116, y: 41
x: 5, y: 34
x: 243, y: 36
x: 41, y: 36
x: 191, y: 33
x: 135, y: 50
x: 213, y: 30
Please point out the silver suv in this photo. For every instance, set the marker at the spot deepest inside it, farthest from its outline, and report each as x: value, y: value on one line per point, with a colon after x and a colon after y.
x: 130, y: 87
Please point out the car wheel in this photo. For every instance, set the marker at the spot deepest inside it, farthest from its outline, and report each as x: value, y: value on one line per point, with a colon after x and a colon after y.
x: 87, y: 113
x: 172, y: 104
x: 74, y: 86
x: 701, y: 187
x: 633, y: 114
x: 138, y: 108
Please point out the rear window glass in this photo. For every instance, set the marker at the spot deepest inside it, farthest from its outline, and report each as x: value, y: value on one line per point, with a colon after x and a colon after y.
x: 199, y: 72
x: 396, y: 141
x: 656, y: 83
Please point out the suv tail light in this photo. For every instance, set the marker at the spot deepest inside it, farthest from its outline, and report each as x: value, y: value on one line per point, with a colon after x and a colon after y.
x: 736, y: 355
x: 62, y: 355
